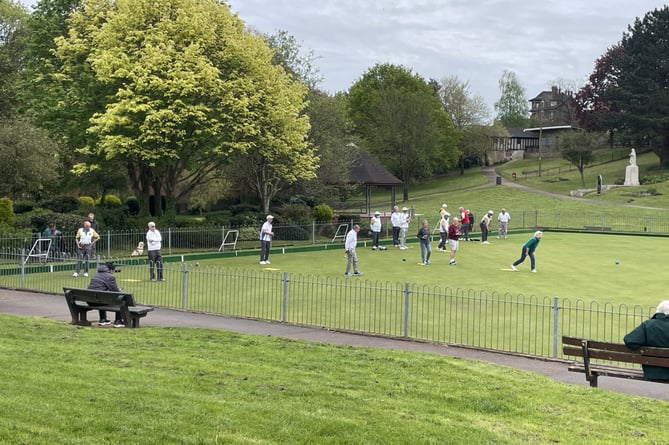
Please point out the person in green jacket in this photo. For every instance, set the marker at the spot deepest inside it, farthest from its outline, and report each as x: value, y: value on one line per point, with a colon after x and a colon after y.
x: 652, y: 332
x: 528, y: 250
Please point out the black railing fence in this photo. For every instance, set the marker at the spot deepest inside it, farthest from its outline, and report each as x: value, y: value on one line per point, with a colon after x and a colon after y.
x: 531, y: 325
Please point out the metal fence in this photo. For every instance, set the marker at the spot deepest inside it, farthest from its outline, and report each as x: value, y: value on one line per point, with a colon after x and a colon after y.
x: 511, y: 323
x: 211, y: 239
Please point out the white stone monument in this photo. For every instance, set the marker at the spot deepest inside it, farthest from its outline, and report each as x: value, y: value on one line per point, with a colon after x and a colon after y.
x: 632, y: 171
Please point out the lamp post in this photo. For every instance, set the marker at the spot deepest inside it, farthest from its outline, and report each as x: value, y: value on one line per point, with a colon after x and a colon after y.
x: 541, y: 126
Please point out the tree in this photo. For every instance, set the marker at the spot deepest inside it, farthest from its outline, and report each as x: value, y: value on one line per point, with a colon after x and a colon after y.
x: 465, y: 110
x: 634, y: 84
x: 12, y: 41
x: 288, y: 54
x: 577, y: 147
x: 402, y: 122
x: 170, y: 89
x: 476, y: 141
x: 511, y: 108
x: 28, y: 160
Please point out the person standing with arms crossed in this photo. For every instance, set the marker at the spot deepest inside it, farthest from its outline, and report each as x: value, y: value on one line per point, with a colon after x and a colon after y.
x: 528, y: 250
x: 266, y: 235
x: 395, y: 221
x: 349, y: 247
x: 503, y: 219
x: 153, y: 245
x: 86, y: 238
x: 375, y: 227
x: 404, y: 227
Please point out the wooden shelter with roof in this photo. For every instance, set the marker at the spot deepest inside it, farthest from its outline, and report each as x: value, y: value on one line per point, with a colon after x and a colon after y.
x: 368, y: 172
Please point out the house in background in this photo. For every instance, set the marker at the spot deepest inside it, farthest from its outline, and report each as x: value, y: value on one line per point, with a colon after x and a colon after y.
x: 552, y: 113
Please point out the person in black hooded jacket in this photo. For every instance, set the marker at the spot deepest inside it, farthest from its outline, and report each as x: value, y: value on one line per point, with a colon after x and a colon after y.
x: 105, y: 280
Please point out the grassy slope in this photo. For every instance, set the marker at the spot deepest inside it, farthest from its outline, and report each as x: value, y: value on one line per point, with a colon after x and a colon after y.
x: 86, y: 386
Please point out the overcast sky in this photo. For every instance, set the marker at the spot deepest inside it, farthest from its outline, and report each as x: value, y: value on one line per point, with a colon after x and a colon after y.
x: 476, y: 40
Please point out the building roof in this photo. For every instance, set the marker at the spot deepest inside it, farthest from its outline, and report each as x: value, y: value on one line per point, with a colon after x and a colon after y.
x: 553, y: 128
x: 368, y: 171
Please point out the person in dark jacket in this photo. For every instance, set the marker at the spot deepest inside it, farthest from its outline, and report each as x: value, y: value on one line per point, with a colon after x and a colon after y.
x: 652, y: 332
x: 105, y: 280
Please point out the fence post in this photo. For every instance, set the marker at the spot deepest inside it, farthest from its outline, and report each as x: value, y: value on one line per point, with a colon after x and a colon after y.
x: 169, y: 240
x: 406, y: 309
x: 108, y: 244
x: 284, y: 305
x: 184, y: 285
x: 555, y: 326
x: 313, y: 233
x: 23, y: 268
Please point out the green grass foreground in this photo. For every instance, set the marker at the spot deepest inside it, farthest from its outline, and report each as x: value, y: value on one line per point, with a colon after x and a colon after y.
x: 70, y: 385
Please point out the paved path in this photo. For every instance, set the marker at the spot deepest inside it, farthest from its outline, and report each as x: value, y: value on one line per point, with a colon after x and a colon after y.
x: 54, y: 307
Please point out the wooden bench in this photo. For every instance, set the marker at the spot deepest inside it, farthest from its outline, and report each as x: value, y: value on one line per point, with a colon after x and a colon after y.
x: 600, y: 228
x: 80, y: 301
x: 588, y: 350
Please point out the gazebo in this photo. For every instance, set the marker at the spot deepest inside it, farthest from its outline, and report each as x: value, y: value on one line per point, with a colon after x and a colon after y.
x: 369, y: 172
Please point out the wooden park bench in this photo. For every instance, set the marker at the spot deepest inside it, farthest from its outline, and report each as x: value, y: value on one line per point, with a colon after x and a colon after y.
x: 589, y: 350
x: 80, y: 301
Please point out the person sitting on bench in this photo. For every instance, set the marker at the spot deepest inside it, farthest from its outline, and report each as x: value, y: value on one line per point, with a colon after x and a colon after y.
x: 105, y: 280
x: 652, y: 332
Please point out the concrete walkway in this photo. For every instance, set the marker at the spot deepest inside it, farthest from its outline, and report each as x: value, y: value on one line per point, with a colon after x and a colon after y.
x: 53, y: 307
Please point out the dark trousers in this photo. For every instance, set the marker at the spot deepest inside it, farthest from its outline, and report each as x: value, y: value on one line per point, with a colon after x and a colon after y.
x: 465, y: 231
x: 442, y: 241
x: 396, y: 236
x: 155, y: 261
x: 484, y: 232
x: 264, y: 250
x: 375, y: 239
x: 83, y: 256
x: 524, y: 254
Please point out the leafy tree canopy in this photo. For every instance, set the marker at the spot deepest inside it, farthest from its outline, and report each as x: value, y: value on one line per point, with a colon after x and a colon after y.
x: 511, y: 108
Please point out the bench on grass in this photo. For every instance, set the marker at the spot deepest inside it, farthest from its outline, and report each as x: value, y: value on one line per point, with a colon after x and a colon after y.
x: 80, y: 301
x: 589, y: 350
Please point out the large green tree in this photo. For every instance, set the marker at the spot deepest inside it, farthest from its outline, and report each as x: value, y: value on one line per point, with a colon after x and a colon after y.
x: 511, y: 108
x: 402, y: 122
x: 12, y: 42
x: 466, y: 110
x: 577, y: 147
x: 637, y: 84
x: 170, y: 89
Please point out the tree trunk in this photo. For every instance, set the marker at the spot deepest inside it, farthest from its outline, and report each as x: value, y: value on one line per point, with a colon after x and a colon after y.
x: 662, y: 152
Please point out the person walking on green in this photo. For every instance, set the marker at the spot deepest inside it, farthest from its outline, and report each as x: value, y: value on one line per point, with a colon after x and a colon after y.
x: 528, y: 250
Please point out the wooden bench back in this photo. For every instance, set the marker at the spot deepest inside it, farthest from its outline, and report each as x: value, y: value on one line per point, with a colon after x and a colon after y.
x: 646, y: 355
x: 98, y: 296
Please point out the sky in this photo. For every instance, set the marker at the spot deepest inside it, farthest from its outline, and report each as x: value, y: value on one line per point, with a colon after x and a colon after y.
x: 543, y: 42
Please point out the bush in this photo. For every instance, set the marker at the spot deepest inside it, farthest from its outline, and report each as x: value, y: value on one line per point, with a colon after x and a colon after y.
x: 86, y: 201
x: 61, y: 204
x: 6, y: 210
x: 23, y: 206
x: 291, y: 233
x: 322, y: 212
x: 295, y: 212
x: 132, y: 204
x: 112, y: 201
x: 244, y: 220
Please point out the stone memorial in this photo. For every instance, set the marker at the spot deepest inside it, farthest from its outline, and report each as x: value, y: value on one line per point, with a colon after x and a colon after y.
x: 632, y: 170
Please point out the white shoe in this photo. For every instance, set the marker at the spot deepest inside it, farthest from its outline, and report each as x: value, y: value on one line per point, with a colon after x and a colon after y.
x: 514, y: 268
x: 263, y: 262
x: 75, y: 275
x: 534, y: 271
x: 85, y: 274
x: 486, y: 242
x: 267, y: 262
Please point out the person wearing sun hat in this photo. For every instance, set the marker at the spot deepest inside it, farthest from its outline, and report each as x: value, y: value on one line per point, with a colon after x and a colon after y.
x: 375, y: 227
x: 266, y: 235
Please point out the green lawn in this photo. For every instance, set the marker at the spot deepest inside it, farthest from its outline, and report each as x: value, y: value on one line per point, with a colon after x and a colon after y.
x: 70, y: 385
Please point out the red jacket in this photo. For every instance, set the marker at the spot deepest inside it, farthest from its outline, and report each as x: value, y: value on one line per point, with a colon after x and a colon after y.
x: 453, y: 232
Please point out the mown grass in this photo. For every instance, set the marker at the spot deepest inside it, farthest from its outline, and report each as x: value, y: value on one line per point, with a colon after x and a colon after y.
x: 69, y: 385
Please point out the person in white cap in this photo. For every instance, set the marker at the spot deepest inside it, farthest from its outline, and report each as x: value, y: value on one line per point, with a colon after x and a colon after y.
x: 485, y: 226
x: 266, y: 235
x: 375, y: 227
x: 153, y: 245
x: 444, y: 221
